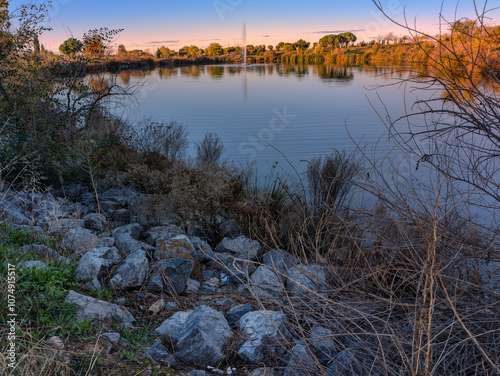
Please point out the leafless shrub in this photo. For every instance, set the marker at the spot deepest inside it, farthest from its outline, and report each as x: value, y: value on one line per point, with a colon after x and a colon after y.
x: 210, y: 149
x: 168, y: 139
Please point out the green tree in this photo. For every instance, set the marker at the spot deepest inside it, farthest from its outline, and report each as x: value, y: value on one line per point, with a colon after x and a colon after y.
x: 71, y: 46
x: 288, y: 47
x: 301, y: 44
x: 270, y: 47
x: 349, y: 38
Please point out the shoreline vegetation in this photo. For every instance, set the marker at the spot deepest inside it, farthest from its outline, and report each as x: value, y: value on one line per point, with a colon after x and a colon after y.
x: 403, y: 283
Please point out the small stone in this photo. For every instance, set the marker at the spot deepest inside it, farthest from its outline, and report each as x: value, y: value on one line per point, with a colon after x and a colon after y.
x: 55, y: 343
x: 157, y: 306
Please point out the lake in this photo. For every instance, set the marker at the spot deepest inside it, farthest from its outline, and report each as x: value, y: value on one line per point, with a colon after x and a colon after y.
x: 275, y: 113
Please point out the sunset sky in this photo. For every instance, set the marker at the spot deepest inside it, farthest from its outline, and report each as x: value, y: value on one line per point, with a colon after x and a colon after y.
x: 151, y: 24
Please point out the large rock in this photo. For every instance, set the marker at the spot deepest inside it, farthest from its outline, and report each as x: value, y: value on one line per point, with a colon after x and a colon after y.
x: 202, y: 250
x: 163, y: 232
x: 242, y: 247
x: 80, y: 241
x: 121, y: 196
x: 170, y: 276
x: 171, y: 329
x: 203, y: 337
x: 302, y: 362
x: 265, y: 332
x: 280, y: 261
x: 133, y: 229
x: 323, y: 343
x: 266, y: 284
x: 95, y: 221
x: 12, y: 214
x: 95, y: 264
x: 236, y: 313
x: 41, y: 250
x: 132, y: 272
x: 74, y: 191
x: 127, y: 244
x: 347, y: 363
x: 176, y: 247
x: 306, y: 279
x: 158, y: 354
x: 120, y: 217
x: 109, y: 206
x: 62, y: 226
x: 232, y: 268
x: 98, y: 311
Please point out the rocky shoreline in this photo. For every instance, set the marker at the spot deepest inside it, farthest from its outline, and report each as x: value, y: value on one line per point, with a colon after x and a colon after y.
x: 119, y: 247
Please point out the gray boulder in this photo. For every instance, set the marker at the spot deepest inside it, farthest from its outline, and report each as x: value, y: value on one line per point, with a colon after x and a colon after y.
x: 176, y: 247
x: 121, y: 217
x: 127, y: 244
x: 88, y: 198
x: 236, y: 270
x: 170, y: 330
x: 170, y: 276
x: 95, y: 221
x: 266, y: 284
x: 75, y: 191
x: 133, y: 229
x: 106, y: 242
x: 280, y: 261
x: 264, y: 331
x: 302, y: 362
x: 80, y: 241
x: 158, y: 354
x: 236, y: 313
x: 242, y: 247
x: 41, y: 250
x: 203, y: 337
x: 95, y: 263
x: 323, y: 344
x: 347, y: 363
x: 201, y: 250
x: 109, y: 206
x: 132, y: 272
x: 12, y: 214
x: 61, y: 226
x: 98, y: 311
x: 305, y: 279
x: 163, y: 232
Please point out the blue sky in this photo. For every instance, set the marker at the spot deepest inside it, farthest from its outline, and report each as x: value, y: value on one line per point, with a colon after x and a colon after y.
x: 150, y: 24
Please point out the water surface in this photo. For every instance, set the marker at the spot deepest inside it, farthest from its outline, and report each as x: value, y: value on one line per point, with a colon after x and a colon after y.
x: 275, y: 113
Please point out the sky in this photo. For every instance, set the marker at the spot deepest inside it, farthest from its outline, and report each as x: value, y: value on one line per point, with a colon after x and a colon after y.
x: 174, y: 24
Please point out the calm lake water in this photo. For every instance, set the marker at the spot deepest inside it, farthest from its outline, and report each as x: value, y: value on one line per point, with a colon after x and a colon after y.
x: 273, y: 113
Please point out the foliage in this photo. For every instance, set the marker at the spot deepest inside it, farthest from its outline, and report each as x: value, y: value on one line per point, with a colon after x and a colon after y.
x: 71, y: 46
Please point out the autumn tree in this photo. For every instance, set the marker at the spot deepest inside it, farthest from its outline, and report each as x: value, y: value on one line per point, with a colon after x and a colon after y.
x: 214, y: 49
x: 97, y: 41
x: 71, y: 46
x: 122, y: 51
x: 4, y: 15
x: 288, y: 47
